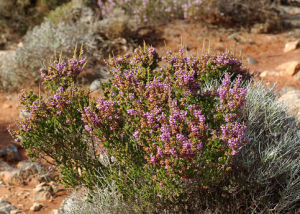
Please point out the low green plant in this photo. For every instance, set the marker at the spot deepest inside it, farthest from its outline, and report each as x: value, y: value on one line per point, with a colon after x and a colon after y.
x: 53, y: 129
x: 162, y: 128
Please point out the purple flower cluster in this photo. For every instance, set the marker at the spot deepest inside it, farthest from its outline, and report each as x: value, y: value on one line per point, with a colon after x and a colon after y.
x: 233, y: 133
x: 232, y: 98
x: 172, y: 123
x: 104, y: 115
x: 63, y: 70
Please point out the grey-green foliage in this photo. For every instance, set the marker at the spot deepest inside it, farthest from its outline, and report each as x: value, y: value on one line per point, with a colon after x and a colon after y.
x: 272, y: 157
x: 51, y: 38
x: 48, y: 39
x: 10, y: 74
x: 104, y: 200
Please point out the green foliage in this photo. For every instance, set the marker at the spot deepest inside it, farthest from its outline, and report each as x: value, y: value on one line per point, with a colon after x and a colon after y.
x: 162, y: 128
x: 24, y: 14
x: 169, y: 138
x: 53, y: 129
x: 63, y: 13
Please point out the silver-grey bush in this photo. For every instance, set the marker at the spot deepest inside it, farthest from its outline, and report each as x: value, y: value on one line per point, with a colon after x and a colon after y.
x: 272, y: 157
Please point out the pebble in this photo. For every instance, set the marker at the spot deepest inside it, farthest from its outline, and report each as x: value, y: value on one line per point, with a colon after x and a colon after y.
x: 95, y: 85
x: 290, y: 46
x: 10, y: 153
x: 251, y: 60
x: 289, y: 68
x: 36, y: 207
x: 6, y: 207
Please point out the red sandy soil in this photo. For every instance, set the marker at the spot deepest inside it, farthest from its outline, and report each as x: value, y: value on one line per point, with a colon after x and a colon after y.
x: 267, y: 49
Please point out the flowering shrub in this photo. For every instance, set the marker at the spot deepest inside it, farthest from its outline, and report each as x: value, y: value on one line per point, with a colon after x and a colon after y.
x: 159, y: 127
x: 53, y: 130
x: 162, y: 127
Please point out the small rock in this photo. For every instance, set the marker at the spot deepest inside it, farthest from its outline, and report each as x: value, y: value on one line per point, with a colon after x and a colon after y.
x: 233, y: 36
x: 269, y: 73
x: 55, y: 211
x: 10, y: 153
x: 7, y: 106
x: 290, y: 46
x: 251, y: 60
x: 289, y: 68
x: 6, y: 207
x: 286, y: 89
x: 95, y: 85
x: 292, y: 100
x: 28, y: 168
x: 42, y: 192
x: 17, y: 212
x: 36, y: 207
x: 11, y: 177
x: 23, y: 171
x: 4, y: 166
x: 13, y: 153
